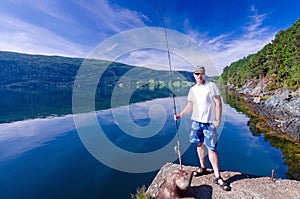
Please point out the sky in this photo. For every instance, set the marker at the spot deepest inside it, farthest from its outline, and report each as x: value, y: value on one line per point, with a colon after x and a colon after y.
x: 226, y: 30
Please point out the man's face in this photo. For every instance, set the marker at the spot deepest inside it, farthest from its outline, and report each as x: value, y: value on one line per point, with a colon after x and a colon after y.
x: 199, y: 77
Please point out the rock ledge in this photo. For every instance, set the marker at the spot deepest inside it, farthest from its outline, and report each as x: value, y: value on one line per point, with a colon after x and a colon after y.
x: 242, y: 185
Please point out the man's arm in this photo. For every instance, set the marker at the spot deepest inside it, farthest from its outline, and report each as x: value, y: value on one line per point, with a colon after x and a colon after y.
x: 186, y: 109
x: 218, y: 103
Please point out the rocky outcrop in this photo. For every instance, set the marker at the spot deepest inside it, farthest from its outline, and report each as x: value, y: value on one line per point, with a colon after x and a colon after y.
x: 258, y: 87
x: 242, y: 185
x: 282, y: 111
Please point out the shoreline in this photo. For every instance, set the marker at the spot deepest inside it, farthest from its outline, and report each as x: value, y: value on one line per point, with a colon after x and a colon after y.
x: 259, y: 125
x: 281, y: 112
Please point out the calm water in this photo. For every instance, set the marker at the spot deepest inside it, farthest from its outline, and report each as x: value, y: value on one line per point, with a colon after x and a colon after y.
x: 45, y: 157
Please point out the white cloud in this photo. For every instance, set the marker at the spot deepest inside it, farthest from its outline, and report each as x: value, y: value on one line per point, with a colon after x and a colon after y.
x: 104, y: 19
x: 51, y: 8
x: 63, y: 32
x: 227, y: 48
x: 23, y: 37
x: 148, y: 47
x: 112, y: 18
x: 155, y: 59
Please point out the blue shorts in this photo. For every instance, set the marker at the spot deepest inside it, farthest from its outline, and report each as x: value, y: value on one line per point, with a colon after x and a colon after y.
x: 204, y: 133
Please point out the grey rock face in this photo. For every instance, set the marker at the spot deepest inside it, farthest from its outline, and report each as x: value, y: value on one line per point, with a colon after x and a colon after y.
x: 284, y: 112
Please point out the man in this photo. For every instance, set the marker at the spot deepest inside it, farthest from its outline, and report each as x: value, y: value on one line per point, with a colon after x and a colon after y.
x: 205, y: 101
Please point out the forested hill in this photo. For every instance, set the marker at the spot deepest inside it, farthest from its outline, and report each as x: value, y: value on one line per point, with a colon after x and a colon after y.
x: 19, y: 70
x: 278, y: 63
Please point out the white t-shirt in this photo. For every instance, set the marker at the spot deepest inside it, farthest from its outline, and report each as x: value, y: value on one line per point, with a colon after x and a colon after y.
x: 204, y: 106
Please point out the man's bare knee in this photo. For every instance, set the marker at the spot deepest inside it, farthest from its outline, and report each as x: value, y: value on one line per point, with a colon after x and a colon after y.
x: 199, y: 145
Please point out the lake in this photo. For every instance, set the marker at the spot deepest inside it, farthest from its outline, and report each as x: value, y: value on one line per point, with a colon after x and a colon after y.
x: 47, y: 152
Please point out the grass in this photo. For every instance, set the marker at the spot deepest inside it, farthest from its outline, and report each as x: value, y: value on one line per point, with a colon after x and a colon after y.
x: 141, y: 193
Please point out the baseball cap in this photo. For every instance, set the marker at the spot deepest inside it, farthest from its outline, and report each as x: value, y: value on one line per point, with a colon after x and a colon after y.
x: 199, y: 69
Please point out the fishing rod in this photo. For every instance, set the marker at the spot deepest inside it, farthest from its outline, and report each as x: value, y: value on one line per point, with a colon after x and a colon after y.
x: 177, y: 150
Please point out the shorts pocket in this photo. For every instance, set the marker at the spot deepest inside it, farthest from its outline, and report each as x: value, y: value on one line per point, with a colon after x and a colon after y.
x: 195, y: 136
x: 209, y: 131
x: 211, y: 136
x: 195, y: 126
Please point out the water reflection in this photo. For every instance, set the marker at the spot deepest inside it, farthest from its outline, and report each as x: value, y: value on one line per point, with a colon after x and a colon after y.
x: 47, y: 159
x: 289, y: 148
x: 21, y: 136
x: 151, y: 135
x: 22, y: 104
x: 32, y: 133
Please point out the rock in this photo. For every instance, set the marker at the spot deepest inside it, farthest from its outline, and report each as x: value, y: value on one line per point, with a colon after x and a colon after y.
x: 248, y: 87
x: 242, y: 185
x: 256, y: 87
x: 282, y: 111
x: 260, y: 87
x: 175, y: 184
x: 257, y: 99
x: 294, y: 107
x: 285, y: 109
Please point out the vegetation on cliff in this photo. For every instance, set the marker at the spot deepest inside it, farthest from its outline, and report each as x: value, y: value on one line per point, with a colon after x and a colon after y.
x: 279, y: 61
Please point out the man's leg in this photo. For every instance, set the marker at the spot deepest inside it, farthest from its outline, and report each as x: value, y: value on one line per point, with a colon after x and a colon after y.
x: 201, y: 150
x: 214, y: 160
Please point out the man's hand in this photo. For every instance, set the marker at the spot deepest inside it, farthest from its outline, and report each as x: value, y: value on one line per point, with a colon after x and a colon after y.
x: 217, y: 123
x: 177, y: 116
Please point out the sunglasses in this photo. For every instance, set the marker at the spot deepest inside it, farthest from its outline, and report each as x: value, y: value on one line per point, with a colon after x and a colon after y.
x: 198, y: 74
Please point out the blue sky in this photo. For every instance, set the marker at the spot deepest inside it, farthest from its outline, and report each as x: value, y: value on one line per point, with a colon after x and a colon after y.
x: 227, y: 29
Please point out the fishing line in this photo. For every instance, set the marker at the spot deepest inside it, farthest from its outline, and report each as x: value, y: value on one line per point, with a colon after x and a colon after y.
x: 177, y: 150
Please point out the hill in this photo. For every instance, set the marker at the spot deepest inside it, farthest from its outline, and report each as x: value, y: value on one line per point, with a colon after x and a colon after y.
x: 19, y: 70
x: 34, y: 86
x: 270, y: 78
x: 278, y: 63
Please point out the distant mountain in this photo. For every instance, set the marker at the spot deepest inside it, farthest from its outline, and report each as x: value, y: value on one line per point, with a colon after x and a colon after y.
x: 34, y: 86
x: 19, y: 70
x: 278, y: 64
